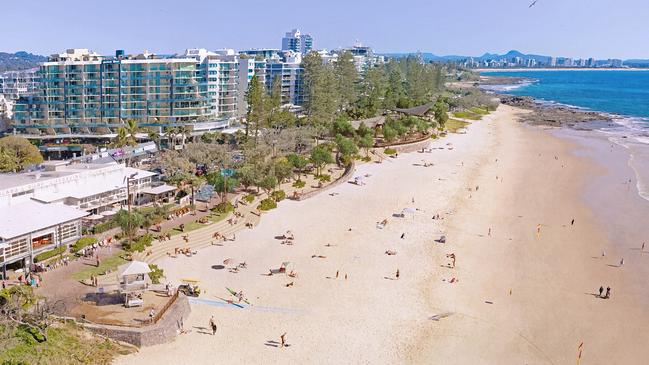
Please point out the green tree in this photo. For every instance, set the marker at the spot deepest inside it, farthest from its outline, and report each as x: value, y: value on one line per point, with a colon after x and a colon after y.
x: 320, y: 156
x: 16, y: 153
x: 220, y: 182
x: 298, y: 162
x: 257, y: 113
x: 344, y: 127
x: 389, y: 134
x: 321, y: 99
x: 346, y: 78
x: 346, y: 148
x: 268, y: 183
x: 129, y: 222
x: 283, y: 169
x: 249, y: 175
x: 373, y: 91
x: 440, y: 110
x: 366, y: 142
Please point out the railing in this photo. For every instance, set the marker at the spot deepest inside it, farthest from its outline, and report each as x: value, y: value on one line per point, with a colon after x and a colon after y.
x: 171, y: 301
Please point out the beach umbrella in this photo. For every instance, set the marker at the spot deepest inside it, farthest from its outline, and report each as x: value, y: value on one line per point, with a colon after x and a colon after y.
x: 285, y: 264
x: 227, y: 261
x: 408, y: 210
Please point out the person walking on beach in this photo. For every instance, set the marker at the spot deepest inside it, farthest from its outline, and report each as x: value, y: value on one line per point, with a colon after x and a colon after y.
x: 489, y: 233
x: 621, y: 262
x: 642, y: 249
x: 608, y: 292
x: 403, y: 235
x: 572, y: 223
x: 397, y: 275
x: 603, y: 253
x: 337, y: 272
x: 538, y: 231
x: 283, y: 339
x: 601, y: 290
x: 213, y: 325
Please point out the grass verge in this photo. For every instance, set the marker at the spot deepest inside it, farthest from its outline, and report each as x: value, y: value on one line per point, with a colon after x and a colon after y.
x: 452, y: 125
x: 108, y: 264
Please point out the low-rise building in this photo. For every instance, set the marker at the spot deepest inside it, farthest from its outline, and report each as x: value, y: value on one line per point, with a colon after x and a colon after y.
x: 41, y: 210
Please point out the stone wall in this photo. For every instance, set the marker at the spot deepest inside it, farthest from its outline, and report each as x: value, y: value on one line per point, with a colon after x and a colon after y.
x: 349, y: 170
x: 165, y: 330
x: 412, y: 147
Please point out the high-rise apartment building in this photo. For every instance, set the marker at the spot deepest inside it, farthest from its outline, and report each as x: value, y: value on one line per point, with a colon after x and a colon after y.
x: 14, y: 84
x: 297, y: 42
x: 81, y: 92
x: 288, y: 71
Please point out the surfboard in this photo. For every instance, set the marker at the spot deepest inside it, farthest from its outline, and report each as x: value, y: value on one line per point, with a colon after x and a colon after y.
x: 234, y: 293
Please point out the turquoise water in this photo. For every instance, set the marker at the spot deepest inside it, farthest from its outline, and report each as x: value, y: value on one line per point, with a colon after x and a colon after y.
x: 617, y: 92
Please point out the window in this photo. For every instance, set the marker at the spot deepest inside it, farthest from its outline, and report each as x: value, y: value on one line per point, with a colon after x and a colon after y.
x: 17, y: 247
x: 22, y: 193
x: 69, y: 231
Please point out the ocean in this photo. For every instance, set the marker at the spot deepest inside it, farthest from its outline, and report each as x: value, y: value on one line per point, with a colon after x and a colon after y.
x: 623, y: 94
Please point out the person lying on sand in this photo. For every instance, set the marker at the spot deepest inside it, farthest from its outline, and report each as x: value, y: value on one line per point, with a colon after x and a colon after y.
x: 293, y: 274
x: 289, y: 284
x: 318, y: 256
x: 390, y: 252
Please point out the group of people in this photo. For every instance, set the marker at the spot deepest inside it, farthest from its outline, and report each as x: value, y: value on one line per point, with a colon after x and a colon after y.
x: 164, y: 237
x: 608, y: 292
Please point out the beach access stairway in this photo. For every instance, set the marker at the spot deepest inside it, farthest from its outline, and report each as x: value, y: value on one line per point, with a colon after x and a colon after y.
x: 202, y: 237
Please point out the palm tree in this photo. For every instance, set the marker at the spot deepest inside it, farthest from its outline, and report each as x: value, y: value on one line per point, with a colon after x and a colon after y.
x: 131, y: 130
x: 155, y: 138
x: 121, y: 139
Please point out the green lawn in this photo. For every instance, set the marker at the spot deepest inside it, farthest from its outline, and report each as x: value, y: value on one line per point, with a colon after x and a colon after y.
x: 452, y: 125
x: 481, y: 111
x: 467, y: 115
x: 108, y: 264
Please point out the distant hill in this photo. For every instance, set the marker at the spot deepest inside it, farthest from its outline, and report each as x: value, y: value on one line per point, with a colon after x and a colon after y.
x: 19, y: 61
x: 426, y: 56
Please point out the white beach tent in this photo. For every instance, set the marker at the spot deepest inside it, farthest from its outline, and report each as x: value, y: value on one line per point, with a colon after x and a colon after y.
x: 133, y: 268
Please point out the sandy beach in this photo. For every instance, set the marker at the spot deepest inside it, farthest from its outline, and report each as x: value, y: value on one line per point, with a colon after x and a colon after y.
x: 523, y: 289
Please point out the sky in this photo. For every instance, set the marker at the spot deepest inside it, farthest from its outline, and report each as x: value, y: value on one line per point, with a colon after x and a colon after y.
x: 567, y: 28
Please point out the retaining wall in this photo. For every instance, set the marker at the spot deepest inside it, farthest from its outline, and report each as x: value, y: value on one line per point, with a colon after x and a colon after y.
x: 165, y: 330
x: 349, y: 170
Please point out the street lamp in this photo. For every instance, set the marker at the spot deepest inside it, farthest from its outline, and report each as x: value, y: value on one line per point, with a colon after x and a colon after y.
x: 128, y: 201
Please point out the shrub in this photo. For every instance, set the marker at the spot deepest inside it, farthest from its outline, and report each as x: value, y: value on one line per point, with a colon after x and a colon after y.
x: 139, y: 244
x: 390, y: 151
x: 49, y: 254
x: 223, y: 208
x: 366, y: 159
x: 299, y: 184
x: 278, y: 195
x: 324, y: 178
x: 83, y: 242
x: 346, y: 160
x: 267, y: 204
x: 103, y: 227
x: 156, y: 274
x: 249, y: 198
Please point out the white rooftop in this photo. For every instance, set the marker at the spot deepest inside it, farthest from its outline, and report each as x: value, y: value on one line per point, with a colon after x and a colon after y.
x: 31, y: 216
x: 76, y: 181
x: 159, y: 189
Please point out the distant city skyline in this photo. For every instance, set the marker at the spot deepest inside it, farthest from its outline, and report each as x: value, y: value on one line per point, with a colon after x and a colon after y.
x: 577, y: 28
